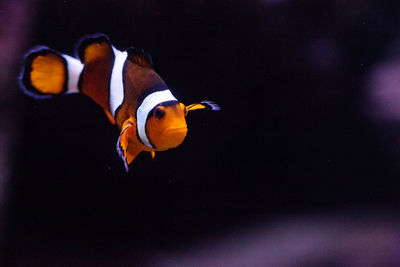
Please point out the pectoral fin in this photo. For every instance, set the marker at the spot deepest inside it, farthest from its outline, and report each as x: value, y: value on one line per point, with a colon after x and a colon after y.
x: 126, y: 149
x: 206, y: 104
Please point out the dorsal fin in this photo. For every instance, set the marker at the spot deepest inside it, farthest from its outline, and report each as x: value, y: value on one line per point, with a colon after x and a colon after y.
x: 139, y: 57
x: 96, y: 52
x: 93, y: 47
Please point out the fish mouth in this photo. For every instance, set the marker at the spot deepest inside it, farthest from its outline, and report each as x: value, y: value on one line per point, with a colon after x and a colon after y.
x: 175, y: 130
x: 172, y: 137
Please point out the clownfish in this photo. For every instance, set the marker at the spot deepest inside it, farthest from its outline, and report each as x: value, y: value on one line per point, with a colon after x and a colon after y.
x: 123, y: 83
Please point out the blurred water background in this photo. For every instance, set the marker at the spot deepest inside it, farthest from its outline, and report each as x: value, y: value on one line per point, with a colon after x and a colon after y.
x: 300, y: 167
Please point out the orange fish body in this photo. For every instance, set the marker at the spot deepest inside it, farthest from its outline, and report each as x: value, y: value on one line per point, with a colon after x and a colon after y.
x: 124, y: 84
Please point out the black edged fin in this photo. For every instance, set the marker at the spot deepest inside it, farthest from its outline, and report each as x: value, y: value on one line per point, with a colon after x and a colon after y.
x: 210, y: 105
x: 206, y: 104
x: 126, y: 152
x: 139, y: 57
x: 122, y: 152
x: 44, y: 73
x: 93, y: 42
x: 97, y: 55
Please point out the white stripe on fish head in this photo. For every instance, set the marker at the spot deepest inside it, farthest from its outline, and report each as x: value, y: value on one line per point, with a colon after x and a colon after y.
x: 145, y: 107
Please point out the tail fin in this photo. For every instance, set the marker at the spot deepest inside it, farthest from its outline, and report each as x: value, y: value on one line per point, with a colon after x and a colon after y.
x: 46, y: 73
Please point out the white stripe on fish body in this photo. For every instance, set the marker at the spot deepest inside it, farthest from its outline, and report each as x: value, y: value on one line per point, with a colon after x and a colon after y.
x: 143, y: 110
x: 74, y: 68
x: 116, y: 82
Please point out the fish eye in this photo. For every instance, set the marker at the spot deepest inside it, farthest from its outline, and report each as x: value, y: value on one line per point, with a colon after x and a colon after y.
x: 185, y: 111
x: 159, y: 112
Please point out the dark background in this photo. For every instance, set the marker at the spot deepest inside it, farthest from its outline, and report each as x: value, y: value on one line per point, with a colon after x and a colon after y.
x: 292, y: 135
